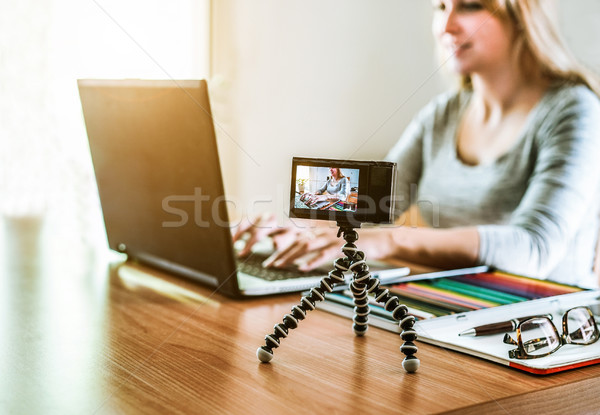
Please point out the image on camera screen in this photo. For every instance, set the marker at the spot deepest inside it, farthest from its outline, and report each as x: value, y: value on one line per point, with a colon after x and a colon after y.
x: 326, y: 188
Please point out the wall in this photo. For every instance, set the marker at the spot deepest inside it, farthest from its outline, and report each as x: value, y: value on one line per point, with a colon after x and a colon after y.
x: 333, y: 78
x: 579, y: 20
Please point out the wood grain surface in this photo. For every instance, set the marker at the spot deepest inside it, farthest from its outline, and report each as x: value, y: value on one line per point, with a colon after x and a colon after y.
x: 123, y: 338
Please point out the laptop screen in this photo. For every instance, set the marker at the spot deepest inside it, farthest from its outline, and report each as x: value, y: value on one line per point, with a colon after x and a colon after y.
x: 157, y: 168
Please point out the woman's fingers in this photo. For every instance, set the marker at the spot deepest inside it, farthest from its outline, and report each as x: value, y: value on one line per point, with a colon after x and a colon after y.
x: 287, y: 257
x: 308, y: 244
x: 285, y: 237
x: 257, y: 228
x: 246, y: 225
x: 240, y: 229
x: 256, y: 236
x: 326, y: 254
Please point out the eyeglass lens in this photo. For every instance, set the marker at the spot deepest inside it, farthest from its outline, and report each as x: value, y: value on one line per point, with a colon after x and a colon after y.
x: 539, y: 337
x: 580, y: 326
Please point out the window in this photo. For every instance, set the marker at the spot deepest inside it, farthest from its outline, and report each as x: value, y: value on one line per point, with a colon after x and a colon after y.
x: 45, y: 167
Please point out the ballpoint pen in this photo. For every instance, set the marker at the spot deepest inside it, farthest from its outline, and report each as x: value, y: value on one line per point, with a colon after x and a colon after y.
x: 501, y: 327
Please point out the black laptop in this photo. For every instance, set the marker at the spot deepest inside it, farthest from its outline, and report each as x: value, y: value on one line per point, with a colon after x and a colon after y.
x: 159, y: 179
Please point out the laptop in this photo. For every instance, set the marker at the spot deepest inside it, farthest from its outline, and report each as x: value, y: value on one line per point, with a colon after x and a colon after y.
x: 157, y: 168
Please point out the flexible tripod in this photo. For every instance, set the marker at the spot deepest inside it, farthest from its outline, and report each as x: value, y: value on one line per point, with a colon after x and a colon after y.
x: 362, y: 285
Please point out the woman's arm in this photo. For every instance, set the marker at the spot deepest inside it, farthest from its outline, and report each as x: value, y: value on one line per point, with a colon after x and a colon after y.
x: 342, y: 194
x: 322, y: 189
x: 440, y: 248
x: 562, y: 191
x: 344, y: 189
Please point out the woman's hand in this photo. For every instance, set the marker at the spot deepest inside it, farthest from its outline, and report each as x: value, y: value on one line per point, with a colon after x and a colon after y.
x: 310, y: 249
x: 262, y: 227
x: 311, y: 198
x: 309, y: 246
x: 314, y: 247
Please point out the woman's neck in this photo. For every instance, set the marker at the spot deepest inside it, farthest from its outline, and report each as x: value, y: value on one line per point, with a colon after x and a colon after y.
x: 506, y: 89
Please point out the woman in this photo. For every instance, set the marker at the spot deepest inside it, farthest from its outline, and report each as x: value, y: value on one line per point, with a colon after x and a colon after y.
x: 506, y: 168
x: 334, y: 190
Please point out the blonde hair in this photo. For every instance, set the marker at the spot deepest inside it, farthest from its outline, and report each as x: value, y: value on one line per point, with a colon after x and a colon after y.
x: 339, y: 172
x: 542, y: 50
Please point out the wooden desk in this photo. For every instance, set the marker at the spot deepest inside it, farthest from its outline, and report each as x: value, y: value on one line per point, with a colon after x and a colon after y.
x: 83, y: 340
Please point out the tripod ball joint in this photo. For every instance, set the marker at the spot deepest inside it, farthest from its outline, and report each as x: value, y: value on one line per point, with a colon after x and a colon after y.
x: 341, y: 264
x: 350, y: 235
x: 361, y: 325
x: 411, y: 364
x: 265, y: 355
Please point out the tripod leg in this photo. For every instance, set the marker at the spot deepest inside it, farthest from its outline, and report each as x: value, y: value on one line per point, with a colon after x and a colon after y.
x: 359, y: 290
x: 406, y: 322
x: 364, y: 284
x: 361, y: 309
x: 298, y: 312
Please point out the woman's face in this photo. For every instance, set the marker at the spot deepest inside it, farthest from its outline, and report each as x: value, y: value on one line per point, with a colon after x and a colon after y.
x: 334, y: 171
x: 474, y: 38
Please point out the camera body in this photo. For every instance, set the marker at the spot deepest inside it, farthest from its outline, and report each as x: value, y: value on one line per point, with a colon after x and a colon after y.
x: 345, y: 191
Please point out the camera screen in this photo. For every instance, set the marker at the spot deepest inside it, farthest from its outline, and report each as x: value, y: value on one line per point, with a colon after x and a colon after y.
x: 326, y: 188
x: 331, y: 189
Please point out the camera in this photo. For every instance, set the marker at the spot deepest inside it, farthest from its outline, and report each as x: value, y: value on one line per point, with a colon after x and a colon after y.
x: 346, y: 191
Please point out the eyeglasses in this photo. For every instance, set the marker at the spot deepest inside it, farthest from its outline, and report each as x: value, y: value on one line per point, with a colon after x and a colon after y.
x: 538, y: 336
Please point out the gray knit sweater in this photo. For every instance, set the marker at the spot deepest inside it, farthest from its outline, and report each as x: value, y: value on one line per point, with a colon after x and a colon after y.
x: 536, y: 207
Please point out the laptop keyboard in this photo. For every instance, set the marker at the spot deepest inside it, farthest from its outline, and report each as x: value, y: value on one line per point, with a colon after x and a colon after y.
x: 252, y: 265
